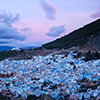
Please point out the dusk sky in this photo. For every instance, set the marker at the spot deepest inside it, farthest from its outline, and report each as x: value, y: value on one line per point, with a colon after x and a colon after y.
x: 35, y: 22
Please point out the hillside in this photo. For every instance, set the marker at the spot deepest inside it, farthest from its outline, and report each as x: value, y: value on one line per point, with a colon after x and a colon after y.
x: 85, y: 36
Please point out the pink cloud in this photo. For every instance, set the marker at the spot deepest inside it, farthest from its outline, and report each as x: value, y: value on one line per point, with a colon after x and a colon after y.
x: 49, y: 9
x: 96, y: 14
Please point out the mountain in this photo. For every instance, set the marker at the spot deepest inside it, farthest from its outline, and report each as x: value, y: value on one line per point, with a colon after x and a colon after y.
x: 3, y: 48
x: 87, y: 36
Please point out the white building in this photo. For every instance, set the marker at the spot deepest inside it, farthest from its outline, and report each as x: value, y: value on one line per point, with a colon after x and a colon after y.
x: 16, y: 49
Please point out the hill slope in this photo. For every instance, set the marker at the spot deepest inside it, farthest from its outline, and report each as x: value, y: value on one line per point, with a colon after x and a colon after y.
x: 79, y: 37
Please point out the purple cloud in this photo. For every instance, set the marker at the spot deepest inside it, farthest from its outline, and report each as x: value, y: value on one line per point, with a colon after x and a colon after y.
x: 56, y: 31
x: 96, y: 14
x: 49, y: 9
x: 25, y: 29
x: 8, y: 18
x: 7, y: 32
x: 5, y: 41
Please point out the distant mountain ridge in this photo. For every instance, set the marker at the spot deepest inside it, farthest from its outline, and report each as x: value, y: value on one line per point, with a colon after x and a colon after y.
x: 87, y: 36
x: 3, y: 48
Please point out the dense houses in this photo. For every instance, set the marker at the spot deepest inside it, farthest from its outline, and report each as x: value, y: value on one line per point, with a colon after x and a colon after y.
x: 53, y: 75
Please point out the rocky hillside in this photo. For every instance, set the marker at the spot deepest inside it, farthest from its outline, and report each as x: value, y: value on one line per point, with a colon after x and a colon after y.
x: 94, y: 42
x: 87, y: 36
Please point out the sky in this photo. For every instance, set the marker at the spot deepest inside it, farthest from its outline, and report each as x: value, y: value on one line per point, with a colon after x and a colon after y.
x: 35, y: 22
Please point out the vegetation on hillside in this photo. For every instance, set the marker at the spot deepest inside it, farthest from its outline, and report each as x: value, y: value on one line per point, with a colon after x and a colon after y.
x: 7, y: 54
x: 78, y: 37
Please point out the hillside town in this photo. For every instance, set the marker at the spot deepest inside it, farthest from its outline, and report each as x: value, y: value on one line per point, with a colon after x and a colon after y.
x: 54, y: 77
